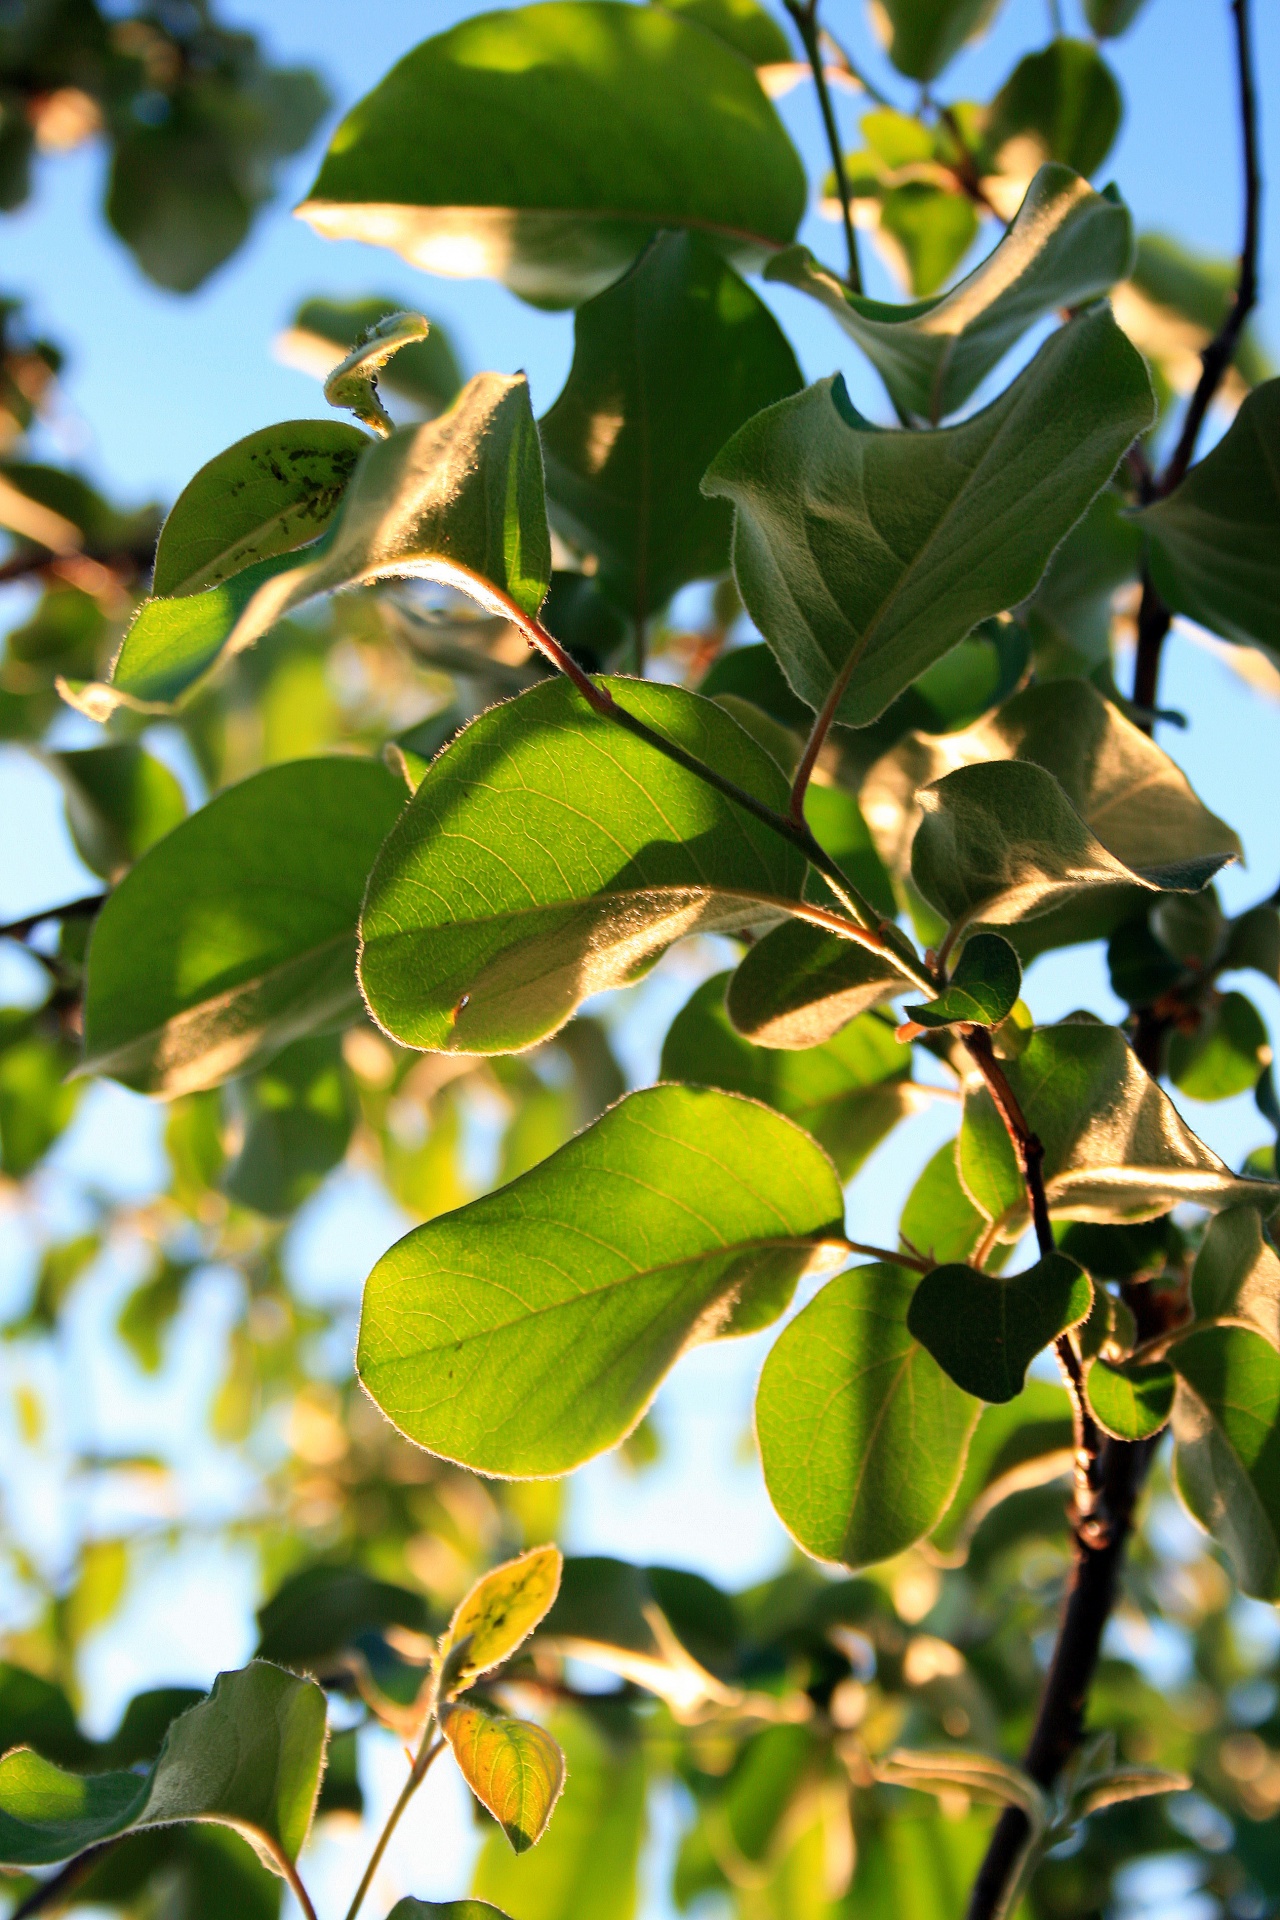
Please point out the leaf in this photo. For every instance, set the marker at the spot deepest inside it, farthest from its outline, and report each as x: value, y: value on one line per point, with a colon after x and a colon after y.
x: 1226, y: 1422
x: 296, y: 1117
x: 667, y: 364
x: 1226, y: 1054
x: 411, y: 1909
x: 1066, y: 246
x: 1069, y: 615
x: 271, y: 492
x: 798, y: 986
x: 546, y: 145
x: 1214, y: 542
x: 1130, y: 1401
x: 1237, y: 1274
x: 1253, y: 940
x: 1026, y: 1442
x: 1108, y: 18
x: 976, y: 510
x: 36, y: 1104
x: 120, y: 800
x: 1135, y: 804
x: 926, y: 232
x: 1115, y: 1147
x: 513, y: 1767
x: 150, y: 1310
x: 982, y: 990
x: 921, y: 36
x: 529, y: 1331
x: 847, y: 1093
x: 258, y: 895
x: 1061, y: 104
x: 743, y: 24
x: 1173, y: 304
x: 548, y: 854
x: 981, y: 1775
x: 424, y: 372
x: 353, y: 383
x: 249, y: 1756
x: 322, y: 1610
x: 501, y: 1610
x: 862, y: 1436
x: 939, y: 1220
x: 648, y: 1625
x: 984, y: 1330
x: 457, y: 500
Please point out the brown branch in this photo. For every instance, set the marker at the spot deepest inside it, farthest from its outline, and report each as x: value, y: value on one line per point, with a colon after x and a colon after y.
x: 805, y: 15
x: 1154, y: 621
x: 59, y: 1887
x: 83, y: 909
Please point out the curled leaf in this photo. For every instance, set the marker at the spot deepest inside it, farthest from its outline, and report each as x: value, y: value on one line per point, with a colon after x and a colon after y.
x: 353, y: 383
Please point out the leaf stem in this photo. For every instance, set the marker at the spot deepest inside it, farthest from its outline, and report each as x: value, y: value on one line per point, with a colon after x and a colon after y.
x: 293, y: 1880
x: 426, y: 1753
x: 855, y: 72
x: 916, y: 1262
x: 71, y: 910
x: 805, y: 15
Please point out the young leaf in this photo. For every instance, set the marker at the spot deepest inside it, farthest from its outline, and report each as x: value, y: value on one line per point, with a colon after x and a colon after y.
x: 258, y: 895
x: 981, y: 1775
x: 1226, y: 1422
x: 1237, y: 1274
x: 529, y: 1331
x: 1131, y: 1402
x: 548, y: 854
x: 425, y: 372
x: 1225, y: 1055
x: 1115, y: 1147
x: 459, y: 499
x: 984, y: 1330
x: 271, y: 492
x: 500, y: 1612
x: 848, y: 1093
x: 546, y: 145
x: 249, y: 1756
x: 1066, y: 246
x: 1027, y: 1442
x: 513, y: 1767
x: 120, y: 800
x: 799, y: 986
x: 353, y: 383
x: 862, y: 1436
x: 976, y: 511
x: 667, y: 365
x: 296, y: 1118
x: 1215, y: 540
x: 983, y: 989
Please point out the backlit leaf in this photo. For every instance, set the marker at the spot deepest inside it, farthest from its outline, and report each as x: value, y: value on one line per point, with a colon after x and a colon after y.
x: 985, y: 1329
x: 799, y: 986
x: 1066, y: 245
x: 1226, y: 1421
x: 295, y: 1116
x: 500, y: 1612
x: 921, y: 36
x: 1060, y: 104
x: 529, y: 1331
x: 939, y: 1220
x: 353, y: 383
x: 120, y: 800
x: 258, y: 894
x: 862, y: 1436
x: 1225, y: 1054
x: 975, y: 512
x: 982, y: 990
x: 425, y: 372
x: 1237, y: 1274
x: 1026, y: 1442
x: 1130, y: 1401
x: 545, y: 146
x: 411, y: 1909
x: 743, y: 24
x: 513, y: 1767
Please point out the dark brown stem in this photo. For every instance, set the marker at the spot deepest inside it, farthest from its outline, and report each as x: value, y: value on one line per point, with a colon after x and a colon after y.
x: 1154, y: 620
x: 59, y: 1888
x: 806, y: 20
x: 73, y: 910
x: 966, y: 169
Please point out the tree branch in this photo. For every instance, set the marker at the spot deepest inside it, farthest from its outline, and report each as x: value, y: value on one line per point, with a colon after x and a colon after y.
x: 59, y: 1887
x: 805, y: 15
x: 83, y: 909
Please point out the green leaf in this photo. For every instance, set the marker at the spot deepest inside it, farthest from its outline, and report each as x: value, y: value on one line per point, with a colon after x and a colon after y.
x: 457, y: 500
x: 1062, y: 103
x: 36, y: 1104
x: 258, y: 895
x: 939, y: 1220
x: 587, y: 1866
x: 548, y: 854
x: 984, y: 1330
x: 799, y: 986
x: 1026, y: 1442
x: 981, y: 1775
x: 249, y: 1756
x: 976, y: 511
x: 513, y: 1767
x: 862, y: 1436
x: 848, y: 1093
x: 1225, y: 1055
x: 667, y: 364
x: 273, y: 491
x: 1237, y: 1274
x: 322, y: 1610
x: 1130, y: 1401
x: 1115, y: 1146
x: 1109, y: 18
x: 982, y: 990
x: 1069, y: 615
x: 296, y: 1118
x: 743, y: 24
x: 652, y: 1626
x: 921, y: 36
x: 425, y: 372
x: 500, y: 1612
x: 1214, y: 542
x: 752, y: 673
x: 1253, y: 940
x: 150, y: 1310
x: 411, y: 1909
x: 353, y: 383
x: 120, y: 800
x: 1173, y: 304
x: 1226, y: 1422
x: 928, y: 231
x: 546, y: 145
x: 1066, y: 245
x: 680, y: 1216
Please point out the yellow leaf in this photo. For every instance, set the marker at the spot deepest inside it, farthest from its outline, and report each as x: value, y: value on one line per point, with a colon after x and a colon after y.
x: 499, y: 1612
x: 513, y: 1767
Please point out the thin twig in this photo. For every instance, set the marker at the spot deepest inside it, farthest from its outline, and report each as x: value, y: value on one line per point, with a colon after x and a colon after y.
x: 854, y: 71
x: 915, y: 1261
x: 60, y: 1886
x: 805, y: 15
x: 967, y: 171
x: 73, y: 910
x: 417, y: 1774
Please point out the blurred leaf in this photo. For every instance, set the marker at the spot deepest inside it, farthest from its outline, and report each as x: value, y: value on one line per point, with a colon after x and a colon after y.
x: 498, y: 1614
x: 939, y: 1220
x: 743, y: 24
x: 424, y: 371
x: 545, y: 146
x: 670, y: 1231
x: 1214, y: 542
x: 980, y: 1775
x: 297, y: 1116
x: 862, y: 1436
x: 1060, y: 104
x: 258, y: 895
x: 984, y: 1330
x: 150, y: 1310
x: 982, y: 990
x: 322, y: 1610
x: 120, y: 800
x: 1130, y: 1402
x: 36, y: 1713
x: 670, y: 1632
x: 977, y: 510
x: 1109, y: 18
x: 1023, y: 1443
x: 798, y: 986
x: 411, y: 1909
x: 1225, y: 1055
x: 752, y: 673
x: 1226, y: 1422
x: 36, y: 1104
x: 622, y: 853
x: 353, y: 383
x: 1237, y: 1274
x: 513, y: 1767
x: 921, y: 36
x: 1173, y: 303
x: 667, y: 364
x: 1066, y: 246
x: 1254, y: 941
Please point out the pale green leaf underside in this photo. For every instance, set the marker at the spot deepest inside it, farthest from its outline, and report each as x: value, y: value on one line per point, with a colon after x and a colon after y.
x: 1226, y: 1421
x: 529, y: 1331
x: 1067, y: 244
